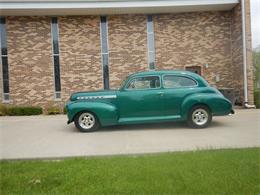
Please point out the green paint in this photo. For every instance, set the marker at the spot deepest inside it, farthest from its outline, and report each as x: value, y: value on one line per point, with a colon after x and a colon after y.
x: 125, y: 106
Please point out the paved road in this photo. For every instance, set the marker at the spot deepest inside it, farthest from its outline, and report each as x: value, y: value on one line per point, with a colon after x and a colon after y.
x: 51, y: 137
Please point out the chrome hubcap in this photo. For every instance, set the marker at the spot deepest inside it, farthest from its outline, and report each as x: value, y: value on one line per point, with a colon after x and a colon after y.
x: 86, y: 120
x: 200, y: 116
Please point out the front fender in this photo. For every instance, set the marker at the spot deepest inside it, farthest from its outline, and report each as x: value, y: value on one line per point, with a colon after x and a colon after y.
x: 106, y: 113
x: 218, y: 104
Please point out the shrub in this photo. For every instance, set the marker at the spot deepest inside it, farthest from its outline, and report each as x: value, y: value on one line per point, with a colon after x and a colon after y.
x: 53, y: 110
x: 64, y: 110
x: 23, y: 110
x: 257, y: 98
x: 2, y: 110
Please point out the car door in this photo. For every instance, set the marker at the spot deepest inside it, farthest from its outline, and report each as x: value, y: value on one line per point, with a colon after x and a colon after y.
x: 141, y: 97
x: 176, y: 88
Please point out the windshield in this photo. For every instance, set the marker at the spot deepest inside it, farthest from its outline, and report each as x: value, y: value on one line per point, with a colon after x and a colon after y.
x: 123, y: 82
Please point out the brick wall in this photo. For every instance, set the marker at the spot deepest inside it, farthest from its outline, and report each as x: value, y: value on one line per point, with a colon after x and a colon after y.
x: 30, y: 62
x: 80, y: 54
x: 127, y: 46
x: 250, y: 75
x: 237, y: 52
x: 195, y: 39
x: 184, y: 39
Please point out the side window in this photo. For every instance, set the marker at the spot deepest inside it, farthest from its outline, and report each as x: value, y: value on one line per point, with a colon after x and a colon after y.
x: 149, y: 82
x: 172, y: 81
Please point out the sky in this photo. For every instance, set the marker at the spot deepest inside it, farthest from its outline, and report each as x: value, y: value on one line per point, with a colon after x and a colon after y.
x: 255, y: 22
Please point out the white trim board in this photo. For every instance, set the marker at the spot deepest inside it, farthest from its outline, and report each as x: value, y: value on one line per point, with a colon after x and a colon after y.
x: 87, y: 7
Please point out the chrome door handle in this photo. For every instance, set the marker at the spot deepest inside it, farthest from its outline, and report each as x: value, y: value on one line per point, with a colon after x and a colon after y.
x: 160, y: 93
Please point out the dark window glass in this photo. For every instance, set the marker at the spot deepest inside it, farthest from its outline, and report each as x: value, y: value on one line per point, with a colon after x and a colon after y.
x: 151, y: 59
x: 104, y: 50
x: 105, y: 70
x: 104, y: 34
x: 195, y: 69
x: 4, y: 59
x: 56, y: 59
x: 55, y: 42
x: 6, y: 96
x: 57, y: 73
x: 149, y: 82
x: 5, y: 67
x: 3, y: 36
x: 106, y: 76
x: 172, y: 81
x: 6, y: 85
x: 105, y: 59
x: 58, y: 95
x: 152, y: 65
x: 149, y: 23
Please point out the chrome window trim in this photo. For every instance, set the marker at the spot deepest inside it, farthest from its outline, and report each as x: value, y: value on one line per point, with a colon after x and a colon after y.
x: 130, y: 80
x: 186, y: 76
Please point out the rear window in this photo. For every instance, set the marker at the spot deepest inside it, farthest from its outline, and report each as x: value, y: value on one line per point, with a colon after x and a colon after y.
x: 173, y: 81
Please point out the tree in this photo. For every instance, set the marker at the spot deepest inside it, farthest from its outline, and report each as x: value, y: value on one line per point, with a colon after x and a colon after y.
x: 256, y: 64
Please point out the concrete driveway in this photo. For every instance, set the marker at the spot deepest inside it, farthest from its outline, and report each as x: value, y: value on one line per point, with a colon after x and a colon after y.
x: 51, y: 137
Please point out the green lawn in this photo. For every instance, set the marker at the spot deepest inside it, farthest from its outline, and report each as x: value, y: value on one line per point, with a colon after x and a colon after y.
x: 230, y: 171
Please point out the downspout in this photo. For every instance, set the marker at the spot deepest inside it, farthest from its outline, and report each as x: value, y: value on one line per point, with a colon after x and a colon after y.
x: 244, y: 56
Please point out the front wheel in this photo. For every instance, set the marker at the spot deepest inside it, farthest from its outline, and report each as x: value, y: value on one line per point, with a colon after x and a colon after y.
x: 199, y: 117
x: 86, y: 122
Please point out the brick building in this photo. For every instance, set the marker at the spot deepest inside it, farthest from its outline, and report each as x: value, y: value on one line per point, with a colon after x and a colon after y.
x: 53, y: 48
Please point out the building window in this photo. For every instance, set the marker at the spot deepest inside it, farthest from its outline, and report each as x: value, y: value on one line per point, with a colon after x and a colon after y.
x: 104, y: 50
x: 195, y: 69
x: 150, y: 41
x: 4, y: 60
x: 56, y: 56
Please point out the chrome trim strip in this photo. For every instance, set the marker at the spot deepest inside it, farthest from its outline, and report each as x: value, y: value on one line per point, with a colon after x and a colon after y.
x: 96, y: 97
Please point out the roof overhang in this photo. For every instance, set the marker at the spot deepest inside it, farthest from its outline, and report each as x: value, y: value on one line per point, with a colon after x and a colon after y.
x: 108, y: 7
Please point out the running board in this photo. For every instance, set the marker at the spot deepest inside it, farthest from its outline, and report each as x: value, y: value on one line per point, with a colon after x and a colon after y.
x: 136, y: 120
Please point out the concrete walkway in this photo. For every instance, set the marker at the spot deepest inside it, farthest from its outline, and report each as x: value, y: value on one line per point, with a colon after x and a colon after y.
x: 51, y: 137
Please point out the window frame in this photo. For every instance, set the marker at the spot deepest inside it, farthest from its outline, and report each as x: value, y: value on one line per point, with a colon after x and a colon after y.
x: 4, y: 63
x: 56, y: 58
x: 185, y: 76
x: 131, y: 79
x: 150, y: 42
x: 104, y: 50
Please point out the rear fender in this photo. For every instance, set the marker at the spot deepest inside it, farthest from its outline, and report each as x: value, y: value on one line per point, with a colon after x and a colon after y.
x: 106, y: 113
x: 218, y: 104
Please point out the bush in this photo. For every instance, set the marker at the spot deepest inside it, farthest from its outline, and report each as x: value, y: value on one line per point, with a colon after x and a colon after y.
x: 53, y: 110
x: 257, y: 98
x: 23, y: 110
x: 64, y: 110
x: 2, y: 110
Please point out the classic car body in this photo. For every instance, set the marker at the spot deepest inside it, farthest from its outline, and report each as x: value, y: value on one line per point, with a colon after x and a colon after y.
x: 148, y: 97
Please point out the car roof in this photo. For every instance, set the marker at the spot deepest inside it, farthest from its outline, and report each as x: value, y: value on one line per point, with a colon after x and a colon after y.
x: 160, y: 72
x: 176, y: 72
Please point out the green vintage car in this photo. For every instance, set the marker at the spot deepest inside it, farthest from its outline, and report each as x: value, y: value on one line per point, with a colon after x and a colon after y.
x: 149, y: 97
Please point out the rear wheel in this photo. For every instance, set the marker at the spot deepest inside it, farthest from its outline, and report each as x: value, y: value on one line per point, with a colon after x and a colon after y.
x: 86, y: 122
x: 200, y: 116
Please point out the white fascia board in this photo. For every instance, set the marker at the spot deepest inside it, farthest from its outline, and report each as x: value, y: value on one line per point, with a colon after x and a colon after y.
x: 69, y: 7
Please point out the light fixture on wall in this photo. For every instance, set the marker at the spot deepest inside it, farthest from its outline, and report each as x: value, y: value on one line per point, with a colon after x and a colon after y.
x: 206, y: 65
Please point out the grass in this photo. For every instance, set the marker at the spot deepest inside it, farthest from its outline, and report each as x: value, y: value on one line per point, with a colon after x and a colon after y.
x: 228, y: 171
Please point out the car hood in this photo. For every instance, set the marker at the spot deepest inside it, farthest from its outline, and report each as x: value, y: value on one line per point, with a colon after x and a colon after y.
x: 93, y: 95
